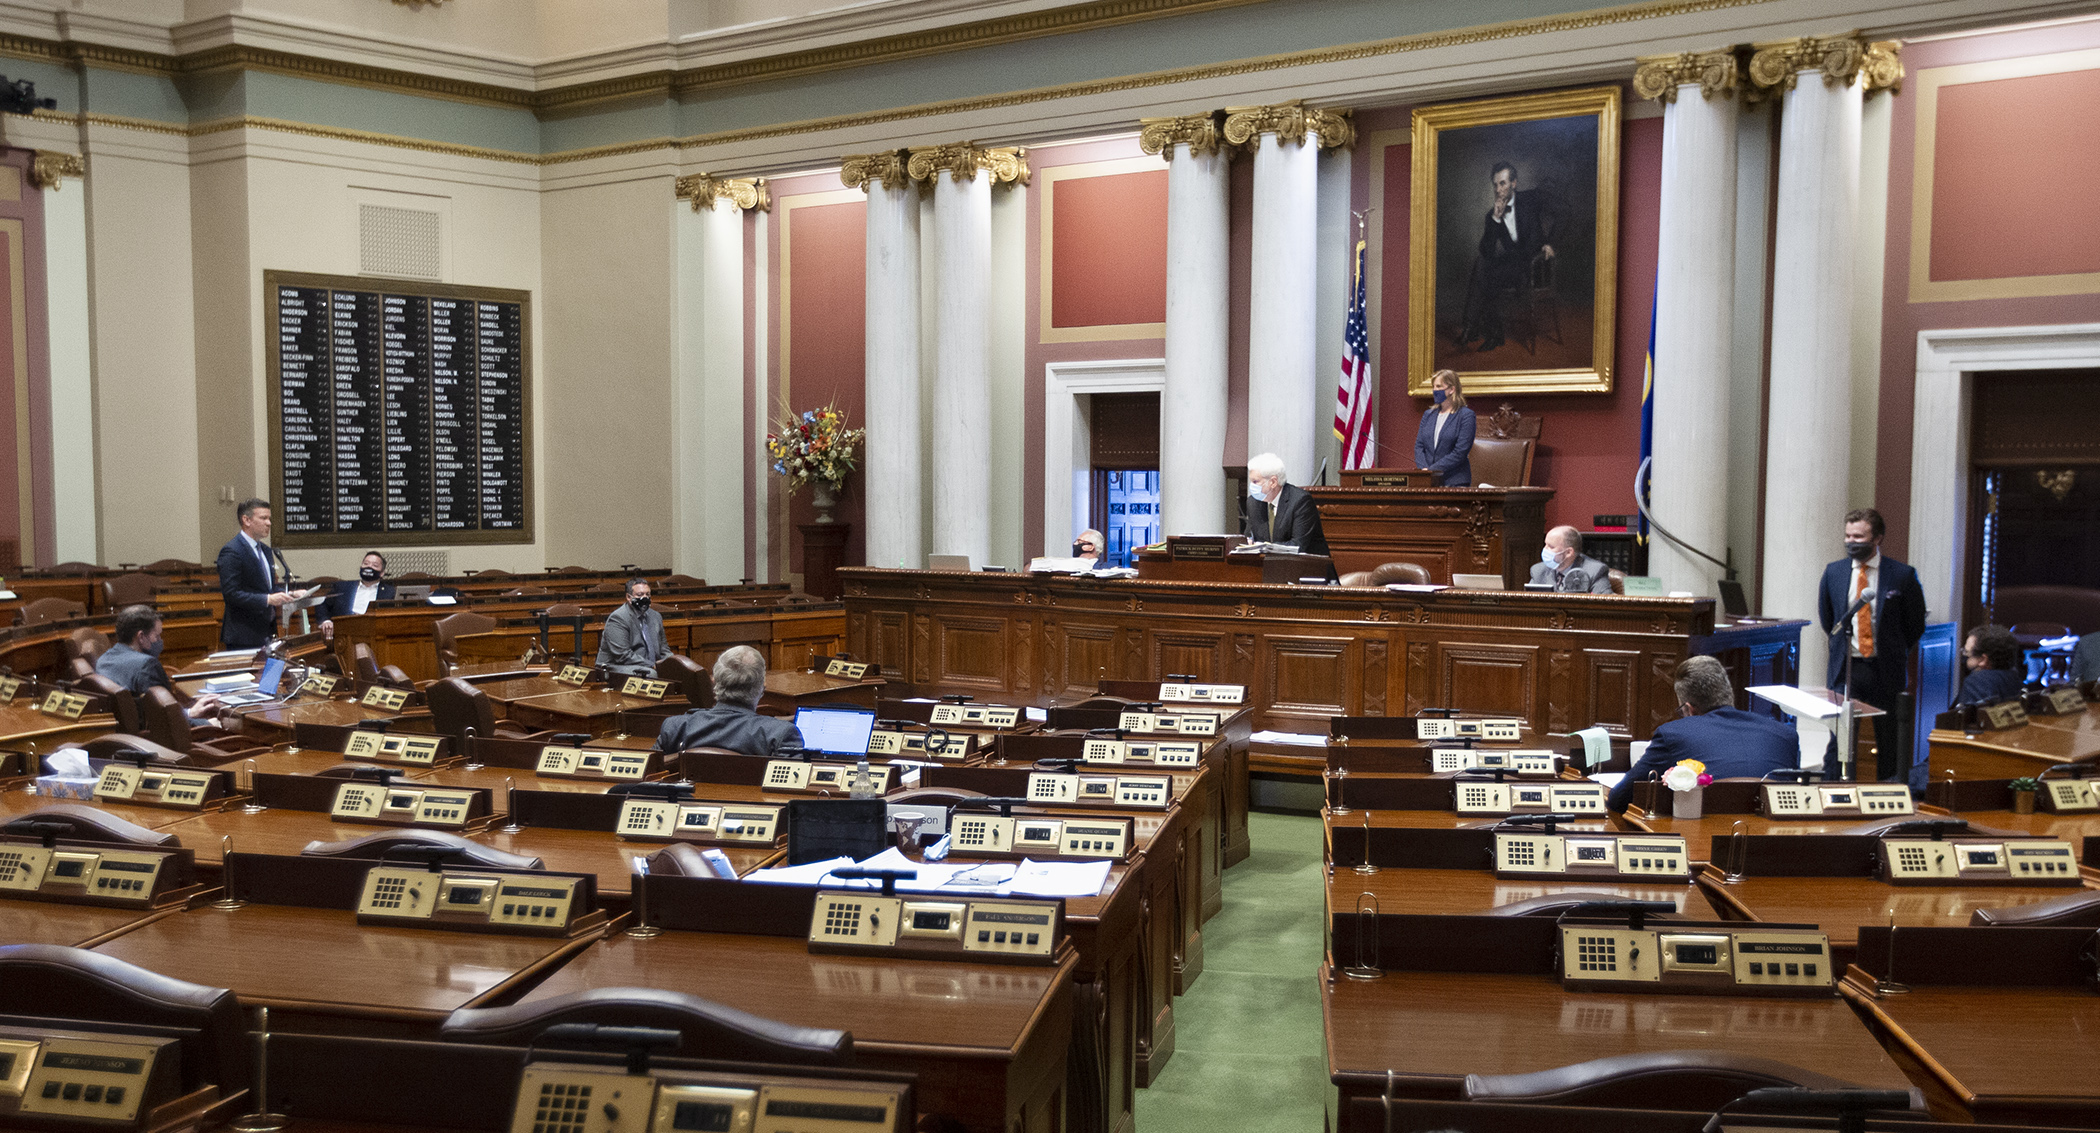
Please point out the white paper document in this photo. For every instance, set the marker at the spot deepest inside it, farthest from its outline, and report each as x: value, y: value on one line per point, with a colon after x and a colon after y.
x: 1058, y: 879
x: 1291, y: 739
x: 1796, y: 702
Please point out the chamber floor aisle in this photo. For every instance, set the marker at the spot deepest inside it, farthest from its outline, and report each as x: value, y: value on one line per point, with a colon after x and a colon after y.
x: 1249, y: 1055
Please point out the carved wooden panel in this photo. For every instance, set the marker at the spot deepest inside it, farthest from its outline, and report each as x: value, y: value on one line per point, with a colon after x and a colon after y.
x: 1089, y: 655
x: 1020, y: 659
x: 1611, y: 682
x: 1498, y: 680
x: 1560, y: 690
x: 971, y: 652
x: 1197, y: 654
x: 1417, y: 676
x: 1374, y: 677
x: 1312, y: 676
x: 1661, y: 690
x: 922, y: 648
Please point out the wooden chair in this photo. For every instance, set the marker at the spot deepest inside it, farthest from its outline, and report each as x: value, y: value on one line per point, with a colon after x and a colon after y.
x: 449, y: 629
x: 165, y: 723
x: 86, y: 642
x: 367, y: 669
x: 458, y: 709
x: 1503, y: 447
x: 1386, y: 573
x: 684, y: 673
x: 136, y: 589
x: 48, y: 610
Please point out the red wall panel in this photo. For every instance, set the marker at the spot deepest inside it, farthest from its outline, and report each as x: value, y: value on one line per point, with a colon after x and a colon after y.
x: 825, y: 307
x: 2016, y: 177
x: 1109, y: 267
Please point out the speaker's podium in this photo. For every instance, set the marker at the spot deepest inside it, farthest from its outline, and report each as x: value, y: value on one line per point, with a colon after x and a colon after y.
x: 1226, y: 558
x: 1383, y: 515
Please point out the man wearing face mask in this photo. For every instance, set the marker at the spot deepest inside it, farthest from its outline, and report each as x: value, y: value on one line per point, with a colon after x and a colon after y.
x: 1733, y: 744
x: 1887, y: 623
x: 632, y: 641
x: 1278, y: 512
x: 134, y: 661
x: 1566, y: 568
x: 355, y: 597
x: 1088, y: 546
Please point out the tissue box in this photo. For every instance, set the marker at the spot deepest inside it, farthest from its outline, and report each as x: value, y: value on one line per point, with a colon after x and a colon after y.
x: 65, y: 787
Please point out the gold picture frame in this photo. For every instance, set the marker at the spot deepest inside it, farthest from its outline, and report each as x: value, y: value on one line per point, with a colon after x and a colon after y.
x: 1518, y: 313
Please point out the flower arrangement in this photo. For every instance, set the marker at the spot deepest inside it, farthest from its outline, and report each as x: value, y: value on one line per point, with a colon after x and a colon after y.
x: 1688, y: 775
x: 814, y: 446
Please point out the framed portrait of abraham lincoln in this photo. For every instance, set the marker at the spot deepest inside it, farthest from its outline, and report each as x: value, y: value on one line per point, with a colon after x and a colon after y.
x: 1514, y: 253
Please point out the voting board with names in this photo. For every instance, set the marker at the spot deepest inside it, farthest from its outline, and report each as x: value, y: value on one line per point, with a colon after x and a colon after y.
x: 398, y: 409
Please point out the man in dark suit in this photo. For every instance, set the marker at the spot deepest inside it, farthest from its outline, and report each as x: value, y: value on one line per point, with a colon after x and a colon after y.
x: 1517, y: 231
x: 1992, y: 666
x: 1884, y: 631
x: 1733, y: 744
x: 734, y: 722
x: 1563, y: 565
x: 1278, y: 512
x: 134, y: 661
x: 347, y: 597
x: 252, y: 580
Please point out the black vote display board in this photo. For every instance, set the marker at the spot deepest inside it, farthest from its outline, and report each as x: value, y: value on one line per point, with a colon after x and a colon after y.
x: 398, y: 410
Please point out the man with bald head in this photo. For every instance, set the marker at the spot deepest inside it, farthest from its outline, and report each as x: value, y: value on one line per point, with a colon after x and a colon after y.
x: 1563, y: 566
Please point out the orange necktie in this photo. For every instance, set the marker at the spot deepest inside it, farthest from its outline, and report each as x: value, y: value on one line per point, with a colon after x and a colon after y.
x: 1864, y: 634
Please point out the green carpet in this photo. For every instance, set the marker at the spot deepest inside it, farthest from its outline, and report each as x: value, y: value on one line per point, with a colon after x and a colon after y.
x: 1249, y: 1052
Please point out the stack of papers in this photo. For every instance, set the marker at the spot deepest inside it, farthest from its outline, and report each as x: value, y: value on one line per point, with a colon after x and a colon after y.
x: 1025, y: 878
x: 1293, y: 739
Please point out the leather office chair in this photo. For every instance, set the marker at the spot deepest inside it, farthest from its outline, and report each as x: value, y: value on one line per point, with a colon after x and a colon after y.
x: 367, y: 669
x: 1699, y: 1081
x: 81, y: 667
x: 449, y: 629
x: 1357, y: 578
x: 1618, y: 581
x: 135, y: 589
x: 48, y: 610
x: 457, y: 707
x: 1503, y: 447
x: 1385, y: 573
x: 2081, y: 910
x: 723, y: 1032
x: 165, y: 723
x: 687, y: 675
x: 122, y: 704
x: 376, y: 847
x: 49, y: 981
x: 86, y: 642
x: 491, y: 572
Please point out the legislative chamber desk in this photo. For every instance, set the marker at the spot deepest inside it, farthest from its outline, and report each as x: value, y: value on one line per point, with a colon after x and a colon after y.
x: 1843, y: 906
x: 74, y: 926
x: 2029, y: 750
x: 1305, y: 654
x: 1444, y: 530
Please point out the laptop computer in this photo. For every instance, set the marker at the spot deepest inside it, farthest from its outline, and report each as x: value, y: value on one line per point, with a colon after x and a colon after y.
x: 1477, y: 582
x: 1732, y: 600
x: 265, y: 687
x: 947, y: 562
x: 835, y: 731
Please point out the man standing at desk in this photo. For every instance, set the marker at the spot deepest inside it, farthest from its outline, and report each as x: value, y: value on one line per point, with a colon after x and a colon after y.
x: 1732, y: 743
x: 252, y: 579
x: 632, y: 641
x: 1278, y: 512
x: 1884, y: 628
x: 1563, y: 565
x: 734, y: 722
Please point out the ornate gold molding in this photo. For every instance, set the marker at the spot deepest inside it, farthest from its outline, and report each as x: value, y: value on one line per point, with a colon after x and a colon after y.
x: 1199, y: 131
x: 1290, y: 122
x: 962, y: 160
x: 1883, y: 69
x: 51, y: 167
x: 1776, y: 64
x: 746, y: 193
x: 1658, y: 76
x: 862, y: 170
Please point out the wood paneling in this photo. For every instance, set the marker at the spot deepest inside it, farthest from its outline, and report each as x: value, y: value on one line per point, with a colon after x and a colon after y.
x: 1498, y: 680
x: 1312, y: 676
x: 972, y: 652
x: 1611, y: 688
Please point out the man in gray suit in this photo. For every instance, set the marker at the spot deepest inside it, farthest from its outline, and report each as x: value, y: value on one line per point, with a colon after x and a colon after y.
x: 134, y: 661
x: 632, y: 641
x: 1563, y: 565
x: 734, y: 722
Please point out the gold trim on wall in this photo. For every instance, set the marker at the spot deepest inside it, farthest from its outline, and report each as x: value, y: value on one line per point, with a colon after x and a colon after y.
x: 1429, y: 121
x: 1047, y: 180
x: 50, y: 167
x: 1923, y: 288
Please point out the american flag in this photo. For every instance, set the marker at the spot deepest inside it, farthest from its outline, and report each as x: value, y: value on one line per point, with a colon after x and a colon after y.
x: 1354, y: 423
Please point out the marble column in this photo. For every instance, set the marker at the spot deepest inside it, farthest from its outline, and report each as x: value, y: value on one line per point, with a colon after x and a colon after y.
x: 962, y: 176
x: 892, y: 487
x: 73, y: 492
x: 1808, y: 450
x: 707, y: 393
x: 1283, y: 403
x: 1192, y: 406
x: 1694, y: 298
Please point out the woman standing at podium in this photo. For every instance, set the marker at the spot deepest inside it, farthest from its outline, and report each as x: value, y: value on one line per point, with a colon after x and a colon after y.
x: 1444, y: 443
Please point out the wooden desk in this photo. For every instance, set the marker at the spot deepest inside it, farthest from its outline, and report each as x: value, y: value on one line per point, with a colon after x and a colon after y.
x: 320, y: 969
x: 1305, y: 653
x: 604, y: 854
x: 2016, y: 752
x: 278, y: 830
x: 792, y: 689
x: 73, y: 926
x: 1446, y: 530
x: 1842, y: 905
x: 505, y: 690
x: 1433, y: 1028
x: 987, y: 1042
x: 2032, y: 1062
x: 1248, y: 568
x: 1458, y: 891
x: 22, y: 724
x: 16, y: 803
x: 277, y: 723
x: 594, y: 711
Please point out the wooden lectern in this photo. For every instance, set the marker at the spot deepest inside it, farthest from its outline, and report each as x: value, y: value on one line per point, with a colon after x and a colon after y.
x: 1445, y: 530
x: 1209, y: 558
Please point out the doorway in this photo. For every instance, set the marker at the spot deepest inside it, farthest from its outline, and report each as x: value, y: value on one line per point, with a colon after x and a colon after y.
x: 2035, y: 497
x: 1124, y: 460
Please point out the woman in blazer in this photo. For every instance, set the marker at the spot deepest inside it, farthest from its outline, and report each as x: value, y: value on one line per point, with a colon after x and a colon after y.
x: 1444, y: 443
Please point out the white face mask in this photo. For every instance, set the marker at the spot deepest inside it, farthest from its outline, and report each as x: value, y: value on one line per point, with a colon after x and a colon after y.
x: 1254, y: 489
x: 1549, y: 556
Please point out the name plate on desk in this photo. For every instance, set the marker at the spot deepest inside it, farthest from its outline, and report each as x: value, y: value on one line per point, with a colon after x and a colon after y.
x: 505, y: 903
x: 1797, y: 800
x: 558, y: 1097
x: 1202, y: 694
x: 1600, y: 855
x: 1978, y: 861
x: 1467, y: 759
x: 379, y: 696
x: 446, y: 808
x: 851, y: 670
x: 65, y: 705
x: 183, y: 790
x: 578, y: 675
x: 1529, y: 798
x: 71, y: 1079
x: 1191, y: 724
x: 661, y: 820
x: 1089, y: 839
x: 379, y: 747
x: 9, y: 686
x: 2071, y: 795
x: 2065, y: 701
x: 1714, y: 959
x: 999, y: 931
x: 1150, y: 791
x: 591, y: 763
x: 83, y: 876
x: 645, y: 688
x: 996, y: 716
x: 2001, y: 716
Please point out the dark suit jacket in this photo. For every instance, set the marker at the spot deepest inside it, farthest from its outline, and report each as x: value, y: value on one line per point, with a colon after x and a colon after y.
x: 1449, y: 456
x: 1535, y: 225
x: 249, y: 620
x: 1988, y: 686
x: 2085, y: 659
x: 1733, y: 744
x: 1585, y: 576
x: 1898, y: 622
x: 134, y: 670
x: 1297, y: 521
x: 338, y: 604
x: 734, y: 727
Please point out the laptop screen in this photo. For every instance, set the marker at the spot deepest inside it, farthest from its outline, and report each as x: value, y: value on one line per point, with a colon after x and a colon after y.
x: 272, y: 675
x: 835, y: 731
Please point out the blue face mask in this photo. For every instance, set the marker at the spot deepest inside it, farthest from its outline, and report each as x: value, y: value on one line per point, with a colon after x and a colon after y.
x: 1548, y: 556
x: 1438, y: 396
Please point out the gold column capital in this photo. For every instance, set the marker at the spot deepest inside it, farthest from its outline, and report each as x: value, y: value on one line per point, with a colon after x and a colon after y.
x: 1290, y: 122
x: 1659, y: 76
x: 1200, y: 131
x: 704, y: 189
x: 1883, y: 69
x: 962, y: 160
x: 50, y: 167
x: 1841, y: 58
x: 863, y: 170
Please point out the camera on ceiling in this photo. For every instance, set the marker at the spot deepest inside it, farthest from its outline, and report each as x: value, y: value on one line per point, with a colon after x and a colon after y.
x: 19, y: 97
